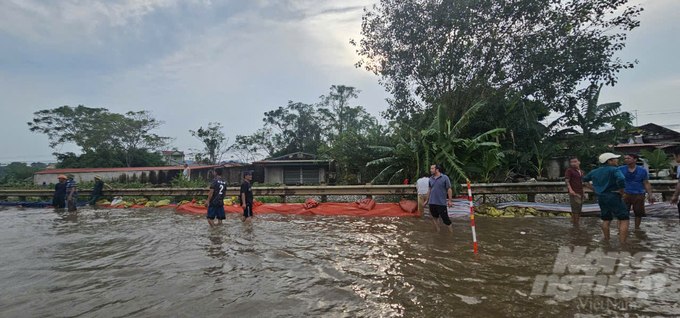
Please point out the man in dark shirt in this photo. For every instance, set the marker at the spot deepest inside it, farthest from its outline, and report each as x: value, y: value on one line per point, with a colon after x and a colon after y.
x: 247, y: 196
x: 215, y: 202
x: 97, y: 190
x: 574, y: 179
x: 59, y: 199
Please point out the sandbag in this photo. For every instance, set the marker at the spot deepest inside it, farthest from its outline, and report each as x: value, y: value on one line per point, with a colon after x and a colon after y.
x: 366, y: 204
x: 310, y: 204
x: 183, y: 202
x: 162, y: 203
x: 103, y: 202
x: 408, y: 206
x: 150, y: 204
x: 116, y: 200
x: 141, y: 201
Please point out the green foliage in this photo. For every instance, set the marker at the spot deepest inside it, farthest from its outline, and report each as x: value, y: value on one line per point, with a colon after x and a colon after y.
x: 454, y: 53
x: 587, y: 135
x: 657, y: 159
x: 214, y: 141
x: 440, y: 144
x: 16, y: 173
x: 100, y: 133
x: 491, y: 160
x: 181, y: 182
x: 110, y: 158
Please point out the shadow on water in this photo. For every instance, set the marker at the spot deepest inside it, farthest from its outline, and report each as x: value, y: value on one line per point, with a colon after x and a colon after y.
x: 158, y: 262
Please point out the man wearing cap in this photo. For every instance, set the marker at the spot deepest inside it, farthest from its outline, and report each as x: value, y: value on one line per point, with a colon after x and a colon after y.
x: 97, y: 190
x: 59, y: 199
x: 247, y: 196
x: 71, y: 192
x: 608, y: 183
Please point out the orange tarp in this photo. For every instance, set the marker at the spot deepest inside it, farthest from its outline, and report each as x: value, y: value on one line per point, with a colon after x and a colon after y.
x: 351, y: 209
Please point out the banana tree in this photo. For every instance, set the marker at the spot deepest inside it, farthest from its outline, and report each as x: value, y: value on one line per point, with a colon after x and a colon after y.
x: 657, y: 160
x: 440, y: 143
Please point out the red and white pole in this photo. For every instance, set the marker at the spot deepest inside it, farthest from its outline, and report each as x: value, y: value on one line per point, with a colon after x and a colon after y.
x: 472, y: 215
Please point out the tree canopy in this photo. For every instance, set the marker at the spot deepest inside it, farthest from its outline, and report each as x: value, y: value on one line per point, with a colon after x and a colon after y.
x: 455, y: 53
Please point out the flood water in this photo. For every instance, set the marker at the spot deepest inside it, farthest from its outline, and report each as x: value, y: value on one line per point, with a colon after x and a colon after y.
x: 162, y: 263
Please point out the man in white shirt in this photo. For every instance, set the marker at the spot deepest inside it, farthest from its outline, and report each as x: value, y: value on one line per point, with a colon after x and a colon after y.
x: 423, y: 184
x: 186, y: 172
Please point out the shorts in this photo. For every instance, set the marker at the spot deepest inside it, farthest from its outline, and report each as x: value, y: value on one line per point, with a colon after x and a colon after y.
x: 421, y: 203
x: 248, y: 211
x: 637, y: 202
x: 71, y: 204
x: 440, y: 211
x: 576, y: 203
x: 216, y: 211
x: 611, y: 205
x: 59, y: 202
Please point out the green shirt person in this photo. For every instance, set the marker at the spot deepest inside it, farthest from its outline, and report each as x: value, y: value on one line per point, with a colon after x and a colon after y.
x: 97, y: 190
x: 608, y: 183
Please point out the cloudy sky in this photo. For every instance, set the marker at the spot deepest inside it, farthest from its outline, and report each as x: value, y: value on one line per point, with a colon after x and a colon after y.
x: 196, y: 61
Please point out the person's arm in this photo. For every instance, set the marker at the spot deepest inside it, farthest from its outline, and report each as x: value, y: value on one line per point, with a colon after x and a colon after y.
x: 571, y: 191
x: 210, y: 194
x: 450, y: 201
x: 70, y: 195
x: 648, y: 188
x: 620, y: 181
x: 674, y: 200
x: 427, y: 198
x: 108, y: 186
x: 586, y: 182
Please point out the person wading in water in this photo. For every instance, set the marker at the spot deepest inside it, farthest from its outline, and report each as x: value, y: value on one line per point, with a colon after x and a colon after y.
x: 608, y: 184
x: 440, y: 187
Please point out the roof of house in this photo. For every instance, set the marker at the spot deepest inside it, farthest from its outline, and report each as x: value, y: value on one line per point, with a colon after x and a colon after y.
x: 82, y: 170
x: 654, y: 128
x: 171, y: 152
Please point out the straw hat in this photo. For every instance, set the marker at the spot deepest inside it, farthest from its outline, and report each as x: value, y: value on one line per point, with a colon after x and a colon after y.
x: 70, y: 176
x: 96, y: 176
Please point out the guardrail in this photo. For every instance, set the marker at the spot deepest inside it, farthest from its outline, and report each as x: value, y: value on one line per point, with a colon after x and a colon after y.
x: 666, y: 187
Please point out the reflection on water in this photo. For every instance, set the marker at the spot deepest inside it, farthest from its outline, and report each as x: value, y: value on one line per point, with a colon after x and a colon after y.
x: 158, y: 262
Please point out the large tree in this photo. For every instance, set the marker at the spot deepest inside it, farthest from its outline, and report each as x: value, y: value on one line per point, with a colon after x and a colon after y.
x: 214, y: 141
x: 455, y: 53
x: 96, y: 130
x: 297, y: 127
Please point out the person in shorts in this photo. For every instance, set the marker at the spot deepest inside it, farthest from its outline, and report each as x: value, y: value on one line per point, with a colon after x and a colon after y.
x: 71, y: 193
x: 215, y: 202
x: 246, y: 196
x: 574, y: 179
x: 422, y: 185
x: 608, y: 183
x: 637, y: 182
x: 676, y: 195
x: 438, y: 188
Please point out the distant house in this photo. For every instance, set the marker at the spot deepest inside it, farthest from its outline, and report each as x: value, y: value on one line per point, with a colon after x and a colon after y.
x: 295, y: 169
x: 173, y: 157
x: 51, y: 166
x: 650, y: 137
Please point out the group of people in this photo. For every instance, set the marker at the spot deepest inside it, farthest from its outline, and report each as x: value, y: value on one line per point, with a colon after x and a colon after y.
x: 66, y: 192
x: 619, y: 190
x: 215, y: 201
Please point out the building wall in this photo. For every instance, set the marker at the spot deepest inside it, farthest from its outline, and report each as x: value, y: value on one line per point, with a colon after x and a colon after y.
x: 322, y: 175
x: 273, y: 174
x: 153, y: 176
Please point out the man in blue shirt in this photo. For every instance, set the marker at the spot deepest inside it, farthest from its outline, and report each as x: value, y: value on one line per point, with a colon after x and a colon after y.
x: 608, y: 183
x: 637, y: 181
x: 71, y: 193
x: 439, y: 188
x: 676, y: 195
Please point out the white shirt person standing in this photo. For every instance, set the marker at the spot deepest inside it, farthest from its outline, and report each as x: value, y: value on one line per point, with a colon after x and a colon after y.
x: 187, y: 172
x: 422, y: 185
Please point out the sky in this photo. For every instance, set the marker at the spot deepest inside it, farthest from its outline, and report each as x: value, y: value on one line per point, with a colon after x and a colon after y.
x: 197, y: 61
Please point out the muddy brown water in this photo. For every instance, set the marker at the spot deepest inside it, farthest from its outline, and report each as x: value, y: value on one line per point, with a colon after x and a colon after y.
x: 162, y: 263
